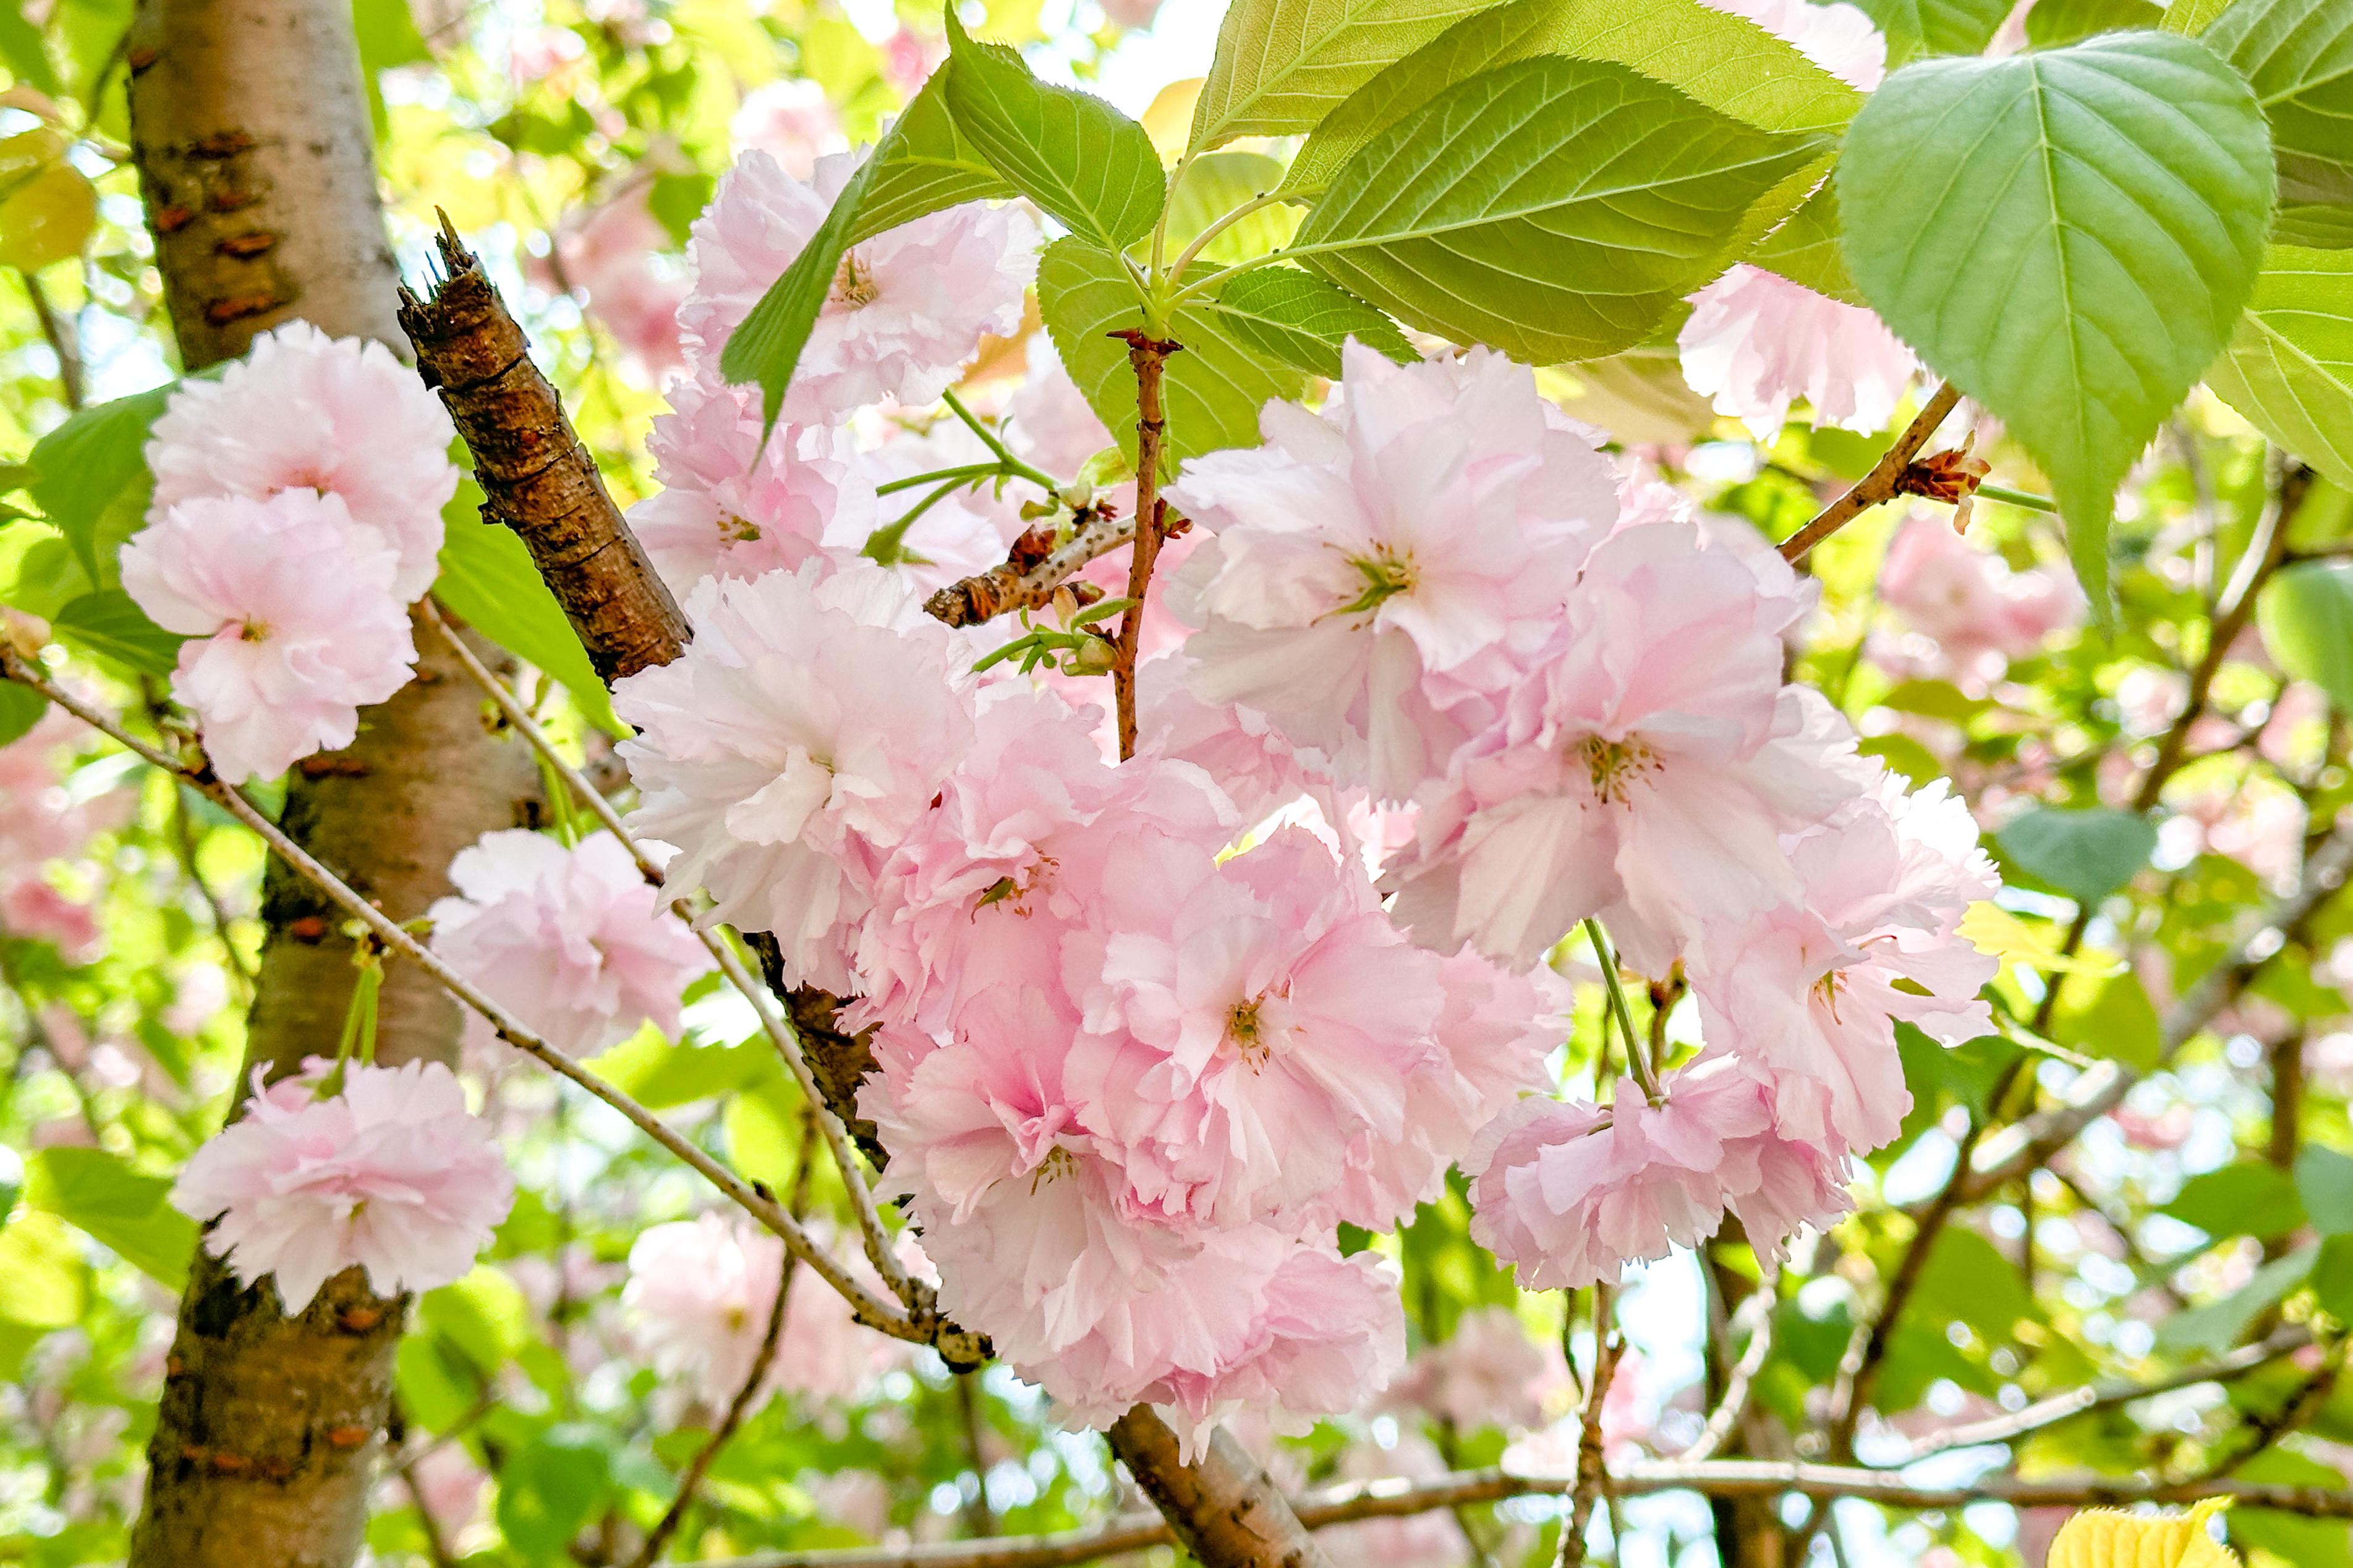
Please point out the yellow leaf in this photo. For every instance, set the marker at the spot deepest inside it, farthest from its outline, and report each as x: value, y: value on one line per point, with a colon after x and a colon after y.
x: 47, y: 218
x: 1996, y: 931
x: 1170, y: 119
x: 2105, y: 1538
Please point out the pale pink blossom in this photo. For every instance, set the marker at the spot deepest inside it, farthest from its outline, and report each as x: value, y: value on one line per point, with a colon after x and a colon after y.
x: 1652, y: 761
x: 792, y: 122
x: 1236, y: 1046
x: 1257, y: 767
x: 1488, y: 1374
x: 1381, y: 573
x: 296, y: 622
x: 1980, y: 612
x: 1756, y: 342
x: 1049, y: 420
x: 803, y: 733
x: 734, y: 506
x: 448, y: 1484
x: 2257, y: 823
x: 574, y: 942
x: 392, y: 1175
x: 701, y: 1293
x: 613, y: 255
x: 1808, y: 995
x: 41, y: 825
x: 306, y: 412
x: 907, y: 307
x: 1837, y: 37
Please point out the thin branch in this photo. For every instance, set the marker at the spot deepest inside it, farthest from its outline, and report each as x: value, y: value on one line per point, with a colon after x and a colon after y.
x: 1592, y: 1471
x: 61, y: 339
x: 1881, y: 483
x: 1025, y: 580
x: 868, y: 1309
x: 2259, y: 1432
x: 1719, y: 1478
x: 779, y: 1030
x: 1757, y: 1312
x: 1148, y: 354
x: 184, y: 839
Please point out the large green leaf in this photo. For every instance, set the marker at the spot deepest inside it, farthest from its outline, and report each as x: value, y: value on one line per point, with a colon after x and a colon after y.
x: 108, y: 623
x: 1282, y: 65
x: 1805, y: 249
x: 488, y: 581
x: 2314, y: 224
x: 1216, y: 184
x: 2067, y: 237
x: 2251, y: 1197
x: 2299, y: 55
x: 2053, y: 24
x: 1213, y: 388
x: 2086, y: 855
x: 90, y: 478
x: 1068, y: 151
x: 1298, y: 320
x: 126, y: 1209
x: 2307, y: 617
x: 1553, y: 208
x: 1916, y: 27
x: 1727, y: 62
x: 928, y: 164
x: 2289, y: 368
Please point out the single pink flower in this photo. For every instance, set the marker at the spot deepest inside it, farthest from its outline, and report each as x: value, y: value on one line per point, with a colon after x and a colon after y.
x: 1980, y: 612
x: 1381, y: 573
x: 574, y: 941
x: 614, y: 255
x: 801, y: 736
x: 392, y: 1175
x: 306, y: 412
x: 907, y: 307
x: 297, y: 620
x: 40, y: 824
x: 792, y: 122
x: 1756, y: 342
x: 1489, y: 1374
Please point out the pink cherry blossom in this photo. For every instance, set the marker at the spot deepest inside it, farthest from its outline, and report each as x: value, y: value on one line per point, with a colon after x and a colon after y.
x: 392, y: 1175
x: 734, y: 506
x: 41, y: 825
x: 700, y: 1294
x: 1837, y: 37
x: 803, y: 732
x: 1049, y: 420
x: 1381, y: 572
x: 296, y: 616
x: 613, y: 255
x: 792, y: 122
x: 1808, y: 995
x: 573, y: 941
x: 1488, y: 1374
x: 1756, y: 342
x: 1980, y: 612
x: 1652, y: 759
x: 907, y: 307
x: 306, y: 412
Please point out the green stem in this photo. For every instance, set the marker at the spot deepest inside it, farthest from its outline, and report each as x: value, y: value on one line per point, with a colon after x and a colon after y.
x: 1636, y: 1062
x: 886, y: 543
x: 2026, y: 498
x: 967, y: 471
x: 1184, y: 257
x: 1005, y: 460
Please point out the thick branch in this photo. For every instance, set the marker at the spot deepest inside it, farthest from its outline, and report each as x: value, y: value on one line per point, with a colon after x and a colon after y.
x: 538, y: 478
x: 1883, y: 483
x: 1221, y: 1508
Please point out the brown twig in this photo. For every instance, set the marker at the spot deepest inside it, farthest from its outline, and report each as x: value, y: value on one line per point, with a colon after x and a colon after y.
x: 1148, y: 354
x: 538, y: 478
x: 1026, y: 579
x: 1885, y: 482
x: 1592, y: 1468
x: 62, y: 340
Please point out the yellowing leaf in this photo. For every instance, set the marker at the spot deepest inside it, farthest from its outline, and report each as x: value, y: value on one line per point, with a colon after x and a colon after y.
x: 2103, y: 1537
x: 1170, y: 118
x: 46, y: 217
x: 1998, y: 931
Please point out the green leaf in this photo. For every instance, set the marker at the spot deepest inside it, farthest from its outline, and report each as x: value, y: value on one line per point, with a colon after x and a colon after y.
x: 2289, y: 368
x: 91, y: 470
x: 108, y: 623
x: 1726, y: 62
x: 2299, y: 56
x: 43, y: 1283
x: 2307, y: 617
x: 1213, y: 389
x: 1916, y: 27
x: 2314, y: 224
x: 2111, y: 1018
x: 21, y: 708
x: 2086, y: 855
x: 2252, y: 1197
x: 2324, y: 1179
x: 22, y: 51
x: 1282, y: 65
x: 1068, y: 151
x: 1966, y: 1279
x: 551, y: 1488
x: 487, y: 580
x: 126, y: 1210
x: 1553, y: 208
x: 1215, y: 183
x: 2053, y: 24
x: 1298, y: 320
x: 2332, y: 1276
x: 1805, y: 249
x: 928, y: 164
x: 766, y: 347
x: 2066, y: 235
x: 2215, y: 1326
x: 387, y: 36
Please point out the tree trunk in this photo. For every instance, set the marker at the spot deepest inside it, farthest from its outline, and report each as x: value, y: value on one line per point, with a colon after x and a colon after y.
x: 250, y: 129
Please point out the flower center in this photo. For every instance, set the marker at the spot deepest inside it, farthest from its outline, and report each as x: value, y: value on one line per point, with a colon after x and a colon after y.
x: 1385, y: 575
x: 738, y: 530
x: 1016, y: 888
x: 854, y: 287
x: 253, y: 631
x: 1242, y: 1031
x: 1058, y: 1163
x: 1614, y: 766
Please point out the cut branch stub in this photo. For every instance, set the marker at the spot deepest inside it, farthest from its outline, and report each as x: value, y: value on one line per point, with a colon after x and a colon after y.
x: 538, y: 478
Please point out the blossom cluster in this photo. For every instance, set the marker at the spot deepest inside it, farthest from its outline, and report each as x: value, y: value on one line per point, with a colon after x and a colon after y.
x: 297, y: 514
